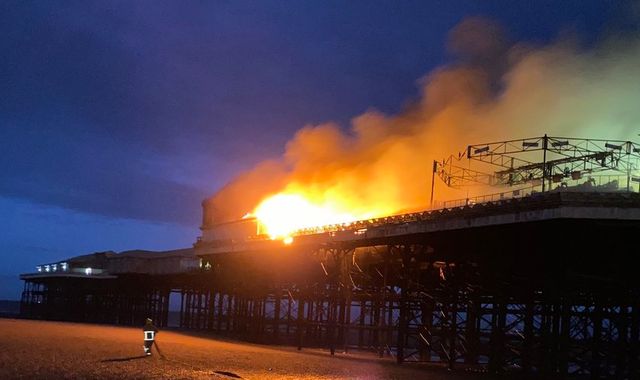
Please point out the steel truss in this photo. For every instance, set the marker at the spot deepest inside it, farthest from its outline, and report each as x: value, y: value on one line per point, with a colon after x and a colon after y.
x: 124, y: 302
x: 556, y: 298
x: 539, y: 160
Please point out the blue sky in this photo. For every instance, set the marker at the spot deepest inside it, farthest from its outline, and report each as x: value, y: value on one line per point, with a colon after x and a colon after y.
x: 118, y: 118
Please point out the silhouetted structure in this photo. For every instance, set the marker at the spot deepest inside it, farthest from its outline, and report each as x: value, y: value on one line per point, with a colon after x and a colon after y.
x: 535, y: 283
x: 542, y: 284
x: 106, y: 287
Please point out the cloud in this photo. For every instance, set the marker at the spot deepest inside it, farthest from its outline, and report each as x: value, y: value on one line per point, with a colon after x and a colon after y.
x: 91, y: 174
x: 138, y: 110
x: 495, y: 90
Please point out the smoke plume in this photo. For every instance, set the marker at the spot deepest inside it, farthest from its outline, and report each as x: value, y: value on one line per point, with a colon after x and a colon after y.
x: 496, y: 90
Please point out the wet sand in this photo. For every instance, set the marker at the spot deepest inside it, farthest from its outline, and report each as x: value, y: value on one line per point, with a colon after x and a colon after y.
x: 60, y: 350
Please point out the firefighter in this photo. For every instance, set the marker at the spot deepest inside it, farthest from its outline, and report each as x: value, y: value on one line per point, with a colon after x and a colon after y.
x: 150, y: 332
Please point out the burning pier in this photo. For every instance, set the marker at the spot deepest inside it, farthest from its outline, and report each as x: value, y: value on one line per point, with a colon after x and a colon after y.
x: 542, y: 284
x: 539, y: 283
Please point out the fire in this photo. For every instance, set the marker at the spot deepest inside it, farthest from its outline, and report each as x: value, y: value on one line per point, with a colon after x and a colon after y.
x: 380, y: 164
x: 282, y: 214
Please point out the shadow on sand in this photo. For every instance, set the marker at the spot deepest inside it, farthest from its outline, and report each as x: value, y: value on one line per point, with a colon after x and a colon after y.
x: 123, y: 359
x: 224, y: 373
x: 230, y: 374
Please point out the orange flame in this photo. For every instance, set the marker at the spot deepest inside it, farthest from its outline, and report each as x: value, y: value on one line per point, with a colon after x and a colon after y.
x: 381, y: 165
x: 282, y: 214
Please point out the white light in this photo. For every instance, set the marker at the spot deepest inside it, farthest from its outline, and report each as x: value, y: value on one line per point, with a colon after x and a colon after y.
x: 39, y: 268
x: 63, y: 266
x: 47, y: 268
x: 54, y: 267
x: 87, y: 271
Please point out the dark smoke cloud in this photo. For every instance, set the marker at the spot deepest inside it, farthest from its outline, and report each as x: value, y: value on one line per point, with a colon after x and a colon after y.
x: 495, y: 90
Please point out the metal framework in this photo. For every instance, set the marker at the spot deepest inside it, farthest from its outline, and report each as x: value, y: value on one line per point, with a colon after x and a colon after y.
x: 537, y: 286
x: 128, y: 300
x: 485, y: 298
x: 540, y: 160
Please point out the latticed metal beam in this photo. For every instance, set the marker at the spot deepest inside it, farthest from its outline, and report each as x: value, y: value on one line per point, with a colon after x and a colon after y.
x: 574, y: 167
x: 539, y: 159
x: 456, y: 176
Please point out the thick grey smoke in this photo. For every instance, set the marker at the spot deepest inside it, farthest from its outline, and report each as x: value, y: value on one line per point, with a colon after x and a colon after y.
x: 497, y: 90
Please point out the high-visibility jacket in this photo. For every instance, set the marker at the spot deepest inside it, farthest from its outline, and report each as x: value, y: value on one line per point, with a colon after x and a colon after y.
x: 149, y: 331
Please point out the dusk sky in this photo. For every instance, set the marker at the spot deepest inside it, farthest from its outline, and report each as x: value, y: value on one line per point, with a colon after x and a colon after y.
x: 118, y: 118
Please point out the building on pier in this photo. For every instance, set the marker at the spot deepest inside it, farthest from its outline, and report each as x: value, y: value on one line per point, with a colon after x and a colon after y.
x: 536, y: 282
x: 107, y: 287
